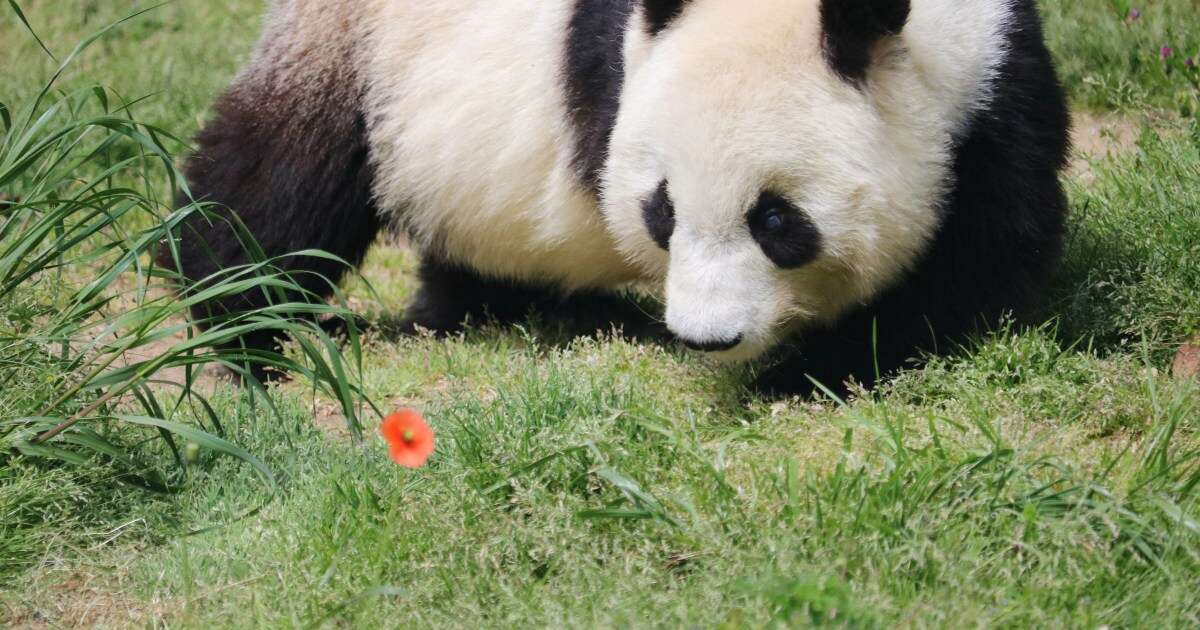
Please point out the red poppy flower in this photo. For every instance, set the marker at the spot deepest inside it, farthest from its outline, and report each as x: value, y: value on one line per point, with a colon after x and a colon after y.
x: 409, y: 439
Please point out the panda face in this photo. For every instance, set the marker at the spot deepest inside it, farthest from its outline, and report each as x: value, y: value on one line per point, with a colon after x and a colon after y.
x: 763, y: 186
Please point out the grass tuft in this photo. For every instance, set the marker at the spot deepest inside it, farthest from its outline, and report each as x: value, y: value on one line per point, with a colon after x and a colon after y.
x: 102, y: 362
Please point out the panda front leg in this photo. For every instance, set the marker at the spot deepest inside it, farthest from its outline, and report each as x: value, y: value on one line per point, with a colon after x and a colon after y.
x: 866, y: 345
x: 452, y: 296
x: 831, y: 359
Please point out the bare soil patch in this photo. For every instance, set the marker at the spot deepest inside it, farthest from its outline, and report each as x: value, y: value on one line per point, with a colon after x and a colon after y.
x: 82, y: 600
x: 1100, y: 136
x: 1187, y: 360
x: 1104, y: 135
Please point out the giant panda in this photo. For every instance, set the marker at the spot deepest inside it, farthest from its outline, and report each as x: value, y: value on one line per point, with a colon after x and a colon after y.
x: 829, y: 188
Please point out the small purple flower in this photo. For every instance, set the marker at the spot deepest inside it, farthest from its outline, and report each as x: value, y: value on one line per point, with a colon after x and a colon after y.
x: 1189, y: 62
x: 1134, y: 15
x: 1165, y: 52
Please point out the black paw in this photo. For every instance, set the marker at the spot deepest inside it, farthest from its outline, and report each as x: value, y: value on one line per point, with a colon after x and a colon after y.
x: 771, y: 386
x: 419, y: 322
x: 796, y: 377
x: 594, y: 313
x: 340, y: 326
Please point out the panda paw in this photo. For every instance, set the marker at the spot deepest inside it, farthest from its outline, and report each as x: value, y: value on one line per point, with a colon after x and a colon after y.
x: 775, y: 383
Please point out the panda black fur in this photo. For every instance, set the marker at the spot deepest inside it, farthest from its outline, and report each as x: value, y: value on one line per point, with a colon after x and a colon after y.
x: 830, y: 187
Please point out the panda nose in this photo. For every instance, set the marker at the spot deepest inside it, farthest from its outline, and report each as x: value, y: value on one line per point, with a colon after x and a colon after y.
x: 711, y: 346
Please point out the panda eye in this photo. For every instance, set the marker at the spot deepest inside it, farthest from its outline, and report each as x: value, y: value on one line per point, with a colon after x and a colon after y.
x: 658, y: 211
x: 785, y: 233
x: 773, y: 220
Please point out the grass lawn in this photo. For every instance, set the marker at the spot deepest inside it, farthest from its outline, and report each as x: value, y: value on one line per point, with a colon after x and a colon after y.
x: 1050, y: 477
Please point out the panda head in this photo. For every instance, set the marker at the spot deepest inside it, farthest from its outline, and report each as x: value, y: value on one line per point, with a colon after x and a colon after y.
x: 774, y: 163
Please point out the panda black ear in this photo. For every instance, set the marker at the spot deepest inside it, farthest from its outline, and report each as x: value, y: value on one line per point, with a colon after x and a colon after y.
x: 853, y: 27
x: 660, y: 13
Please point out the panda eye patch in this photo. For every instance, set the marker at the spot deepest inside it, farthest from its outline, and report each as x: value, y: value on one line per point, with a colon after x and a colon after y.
x: 658, y: 211
x: 785, y: 233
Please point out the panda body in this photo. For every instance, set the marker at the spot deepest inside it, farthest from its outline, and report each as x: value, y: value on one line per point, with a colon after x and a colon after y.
x: 473, y: 145
x: 836, y: 184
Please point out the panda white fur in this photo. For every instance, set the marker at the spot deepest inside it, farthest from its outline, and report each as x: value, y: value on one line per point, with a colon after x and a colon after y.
x: 831, y: 187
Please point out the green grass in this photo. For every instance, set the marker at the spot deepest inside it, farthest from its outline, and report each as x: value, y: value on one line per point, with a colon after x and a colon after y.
x: 101, y: 366
x: 1051, y: 477
x: 1132, y: 265
x: 184, y: 53
x: 1110, y: 62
